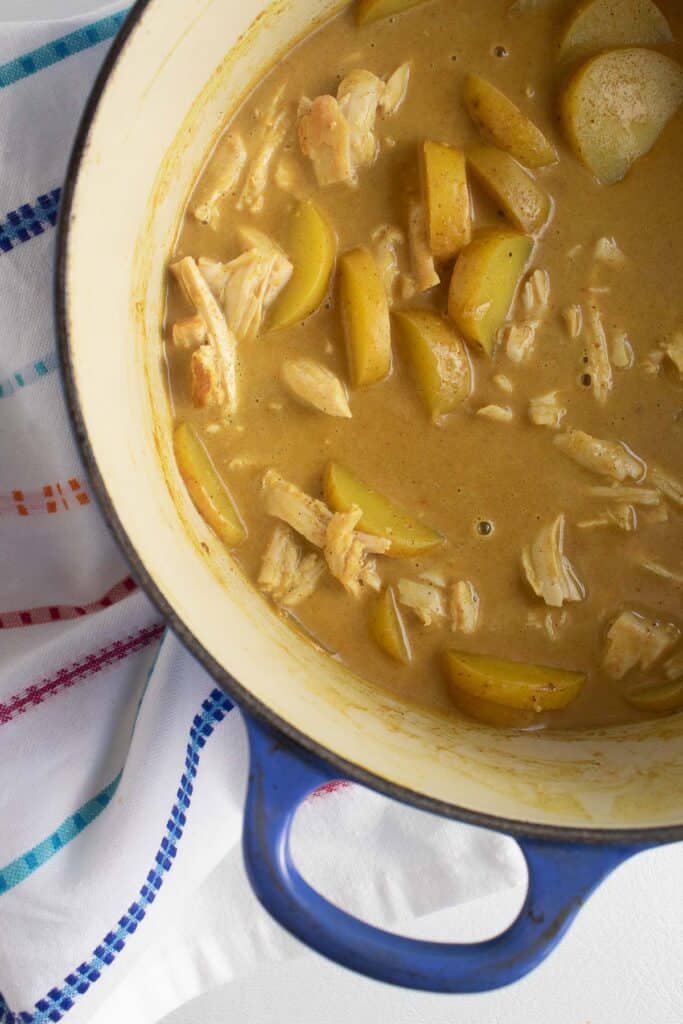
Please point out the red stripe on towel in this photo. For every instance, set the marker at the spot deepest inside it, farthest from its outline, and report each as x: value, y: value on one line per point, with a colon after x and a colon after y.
x: 88, y: 666
x: 62, y: 612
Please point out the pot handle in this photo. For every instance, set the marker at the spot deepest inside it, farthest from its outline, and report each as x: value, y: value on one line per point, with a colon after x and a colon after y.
x: 561, y: 877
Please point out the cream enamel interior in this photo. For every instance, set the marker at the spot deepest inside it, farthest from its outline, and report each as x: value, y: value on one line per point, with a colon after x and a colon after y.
x: 169, y: 92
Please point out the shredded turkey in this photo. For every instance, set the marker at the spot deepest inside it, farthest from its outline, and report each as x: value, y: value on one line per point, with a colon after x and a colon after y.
x: 535, y: 295
x: 634, y: 640
x: 667, y: 484
x: 421, y: 259
x: 548, y: 570
x: 218, y: 372
x: 287, y: 576
x: 338, y: 133
x: 206, y: 385
x: 609, y: 458
x: 597, y: 353
x: 315, y: 385
x: 546, y: 411
x: 463, y: 607
x: 387, y: 240
x: 189, y: 331
x: 497, y: 413
x: 348, y: 552
x: 276, y: 124
x: 230, y: 157
x: 519, y: 340
x: 281, y: 268
x: 425, y: 600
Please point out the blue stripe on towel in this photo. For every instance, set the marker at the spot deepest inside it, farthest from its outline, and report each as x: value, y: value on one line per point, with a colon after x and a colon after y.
x: 29, y: 220
x: 29, y: 374
x: 61, y: 48
x: 58, y: 1001
x: 18, y: 870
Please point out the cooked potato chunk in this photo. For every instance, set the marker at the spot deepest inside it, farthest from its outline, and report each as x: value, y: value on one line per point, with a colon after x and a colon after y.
x: 661, y: 698
x: 311, y: 245
x: 447, y: 198
x: 529, y: 687
x: 616, y: 106
x: 498, y: 715
x: 365, y: 315
x: 373, y: 10
x: 408, y: 536
x: 504, y: 124
x: 387, y: 629
x: 438, y: 359
x: 484, y: 282
x: 205, y: 487
x: 603, y: 24
x: 515, y: 191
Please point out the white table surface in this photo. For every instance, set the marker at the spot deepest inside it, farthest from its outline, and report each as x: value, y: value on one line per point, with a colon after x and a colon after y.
x: 620, y: 964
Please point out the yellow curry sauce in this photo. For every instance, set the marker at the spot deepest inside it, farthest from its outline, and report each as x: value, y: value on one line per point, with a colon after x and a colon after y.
x: 555, y: 549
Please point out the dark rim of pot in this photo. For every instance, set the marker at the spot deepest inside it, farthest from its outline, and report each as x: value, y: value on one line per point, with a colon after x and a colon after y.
x: 244, y: 698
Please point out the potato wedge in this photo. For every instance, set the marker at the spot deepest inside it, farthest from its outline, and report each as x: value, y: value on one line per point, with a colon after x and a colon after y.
x: 511, y: 683
x: 373, y: 10
x: 660, y: 698
x: 484, y: 282
x: 497, y: 715
x: 515, y: 191
x: 380, y: 517
x: 438, y: 359
x: 616, y: 106
x: 504, y: 124
x: 206, y: 488
x: 603, y: 24
x: 311, y: 245
x: 387, y: 629
x: 443, y: 174
x: 365, y: 315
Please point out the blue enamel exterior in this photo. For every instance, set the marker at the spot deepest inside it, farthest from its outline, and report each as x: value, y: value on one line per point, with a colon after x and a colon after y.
x: 561, y: 878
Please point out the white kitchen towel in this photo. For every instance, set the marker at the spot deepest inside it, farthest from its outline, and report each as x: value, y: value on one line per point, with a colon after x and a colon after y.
x: 122, y: 766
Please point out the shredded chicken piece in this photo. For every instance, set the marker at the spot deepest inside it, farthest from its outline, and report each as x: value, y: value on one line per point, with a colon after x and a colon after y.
x: 244, y: 462
x: 622, y: 351
x: 667, y: 484
x: 498, y: 413
x: 609, y: 458
x: 607, y: 251
x: 395, y: 90
x: 464, y: 607
x: 546, y: 411
x: 653, y: 363
x: 288, y: 577
x: 536, y: 292
x: 250, y: 283
x: 627, y: 495
x: 426, y: 601
x: 206, y: 386
x: 672, y: 575
x: 386, y: 241
x: 674, y: 351
x: 634, y: 640
x: 519, y: 340
x: 673, y: 668
x: 347, y: 552
x: 253, y: 190
x: 504, y: 383
x: 546, y: 621
x: 315, y: 385
x: 358, y: 96
x: 305, y: 514
x: 573, y: 319
x: 325, y: 137
x: 422, y: 261
x: 623, y: 517
x: 219, y: 383
x: 288, y: 175
x: 548, y: 570
x: 433, y: 576
x: 281, y: 267
x: 189, y: 331
x: 230, y: 157
x: 599, y: 365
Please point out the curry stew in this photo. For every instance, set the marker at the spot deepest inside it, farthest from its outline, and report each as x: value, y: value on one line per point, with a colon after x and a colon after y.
x: 424, y: 336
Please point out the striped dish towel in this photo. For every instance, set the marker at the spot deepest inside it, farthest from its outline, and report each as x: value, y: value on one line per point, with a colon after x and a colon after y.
x: 122, y: 766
